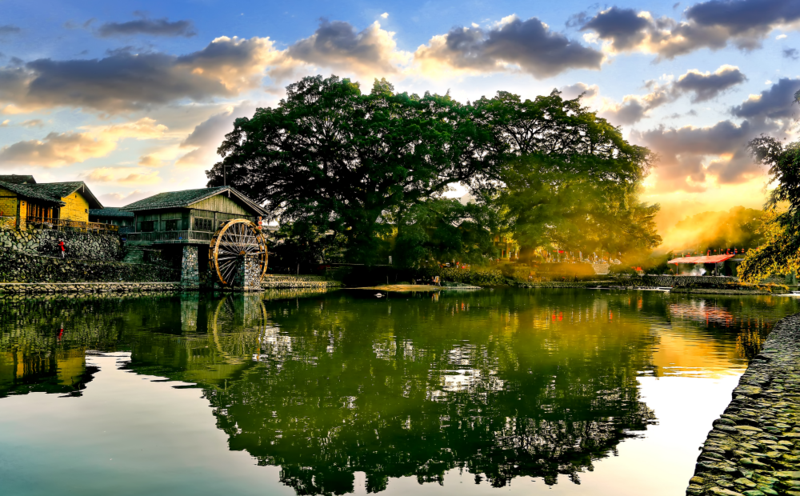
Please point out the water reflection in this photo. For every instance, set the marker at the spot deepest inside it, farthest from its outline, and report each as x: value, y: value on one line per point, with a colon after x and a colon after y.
x: 499, y: 384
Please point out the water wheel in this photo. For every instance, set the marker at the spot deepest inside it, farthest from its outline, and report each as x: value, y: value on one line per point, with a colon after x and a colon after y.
x: 231, y: 243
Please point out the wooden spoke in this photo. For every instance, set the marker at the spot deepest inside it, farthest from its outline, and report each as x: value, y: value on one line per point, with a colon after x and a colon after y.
x: 230, y: 243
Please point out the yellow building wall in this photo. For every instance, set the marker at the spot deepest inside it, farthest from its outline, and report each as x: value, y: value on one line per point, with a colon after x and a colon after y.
x: 76, y: 208
x: 8, y: 207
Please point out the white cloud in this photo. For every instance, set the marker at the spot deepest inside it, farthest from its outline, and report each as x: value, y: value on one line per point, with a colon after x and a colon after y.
x: 385, y: 15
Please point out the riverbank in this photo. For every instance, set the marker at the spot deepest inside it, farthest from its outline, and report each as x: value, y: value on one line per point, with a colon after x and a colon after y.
x: 754, y: 447
x: 268, y: 283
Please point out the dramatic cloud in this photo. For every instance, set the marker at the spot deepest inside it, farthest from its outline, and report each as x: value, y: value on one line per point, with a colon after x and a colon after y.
x: 745, y: 16
x: 60, y: 149
x: 774, y: 103
x: 635, y: 107
x: 152, y: 27
x: 32, y: 123
x: 337, y: 45
x: 56, y: 150
x: 127, y: 81
x: 683, y: 151
x: 206, y: 136
x: 509, y: 46
x: 714, y: 25
x: 122, y: 175
x: 706, y: 86
x: 624, y: 28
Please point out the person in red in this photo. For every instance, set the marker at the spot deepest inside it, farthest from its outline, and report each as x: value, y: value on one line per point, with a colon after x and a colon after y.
x: 61, y: 247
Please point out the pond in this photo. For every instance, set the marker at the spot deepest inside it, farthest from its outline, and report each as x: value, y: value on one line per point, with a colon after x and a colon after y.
x: 573, y: 392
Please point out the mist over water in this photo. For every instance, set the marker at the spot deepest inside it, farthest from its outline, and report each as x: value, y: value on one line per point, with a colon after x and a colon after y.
x: 569, y: 391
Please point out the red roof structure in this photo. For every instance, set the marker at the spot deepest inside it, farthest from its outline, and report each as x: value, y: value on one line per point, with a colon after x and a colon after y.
x: 702, y: 260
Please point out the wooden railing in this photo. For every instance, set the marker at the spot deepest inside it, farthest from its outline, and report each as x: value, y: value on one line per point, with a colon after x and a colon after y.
x: 50, y: 223
x: 170, y: 236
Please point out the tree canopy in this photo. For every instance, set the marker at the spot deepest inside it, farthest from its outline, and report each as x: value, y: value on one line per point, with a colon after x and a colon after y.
x: 369, y: 166
x: 780, y: 254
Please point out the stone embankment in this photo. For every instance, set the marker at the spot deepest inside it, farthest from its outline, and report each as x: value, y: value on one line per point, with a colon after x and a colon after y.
x: 79, y: 245
x: 754, y: 447
x: 288, y: 281
x: 20, y: 267
x: 88, y: 287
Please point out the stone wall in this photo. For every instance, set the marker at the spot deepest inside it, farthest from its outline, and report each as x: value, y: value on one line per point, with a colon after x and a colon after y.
x: 79, y: 245
x: 284, y: 281
x: 754, y: 447
x: 18, y: 266
x: 190, y: 267
x: 88, y: 287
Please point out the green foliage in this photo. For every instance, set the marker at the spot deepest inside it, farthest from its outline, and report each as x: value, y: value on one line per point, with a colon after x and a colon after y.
x: 335, y: 158
x: 304, y: 245
x: 441, y: 230
x: 780, y: 254
x: 578, y: 202
x: 369, y: 166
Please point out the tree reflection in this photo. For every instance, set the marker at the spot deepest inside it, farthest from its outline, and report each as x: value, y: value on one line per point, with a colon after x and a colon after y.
x: 367, y: 388
x: 500, y: 384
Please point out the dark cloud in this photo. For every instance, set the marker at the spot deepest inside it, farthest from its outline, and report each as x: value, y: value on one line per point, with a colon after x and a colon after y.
x: 152, y: 27
x: 575, y: 90
x: 744, y: 16
x: 623, y: 27
x: 713, y: 25
x: 207, y: 135
x: 338, y: 45
x: 125, y: 81
x: 7, y: 29
x: 774, y: 103
x: 529, y: 44
x: 682, y: 152
x: 709, y: 85
x: 791, y: 53
x: 636, y: 107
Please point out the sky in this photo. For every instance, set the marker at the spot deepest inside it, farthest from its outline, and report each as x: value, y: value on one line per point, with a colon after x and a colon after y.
x: 135, y: 97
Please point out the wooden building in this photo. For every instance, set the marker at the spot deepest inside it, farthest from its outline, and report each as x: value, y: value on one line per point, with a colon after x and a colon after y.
x: 188, y: 217
x: 121, y: 219
x: 181, y: 224
x: 25, y: 202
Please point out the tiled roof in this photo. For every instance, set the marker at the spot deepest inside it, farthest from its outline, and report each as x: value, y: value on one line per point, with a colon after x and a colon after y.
x: 17, y: 179
x: 61, y: 190
x: 31, y: 191
x: 52, y: 192
x: 109, y: 212
x: 185, y: 198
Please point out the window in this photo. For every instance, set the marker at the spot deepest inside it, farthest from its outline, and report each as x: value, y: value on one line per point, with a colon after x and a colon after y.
x: 148, y: 226
x: 172, y: 225
x: 201, y: 224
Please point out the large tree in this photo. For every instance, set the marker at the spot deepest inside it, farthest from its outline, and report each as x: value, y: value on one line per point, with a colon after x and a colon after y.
x: 569, y: 179
x: 331, y: 156
x: 780, y: 254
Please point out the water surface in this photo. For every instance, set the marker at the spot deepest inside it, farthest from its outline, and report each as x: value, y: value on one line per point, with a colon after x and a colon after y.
x: 558, y: 391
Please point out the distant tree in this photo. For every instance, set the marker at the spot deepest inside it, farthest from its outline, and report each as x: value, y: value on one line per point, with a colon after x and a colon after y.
x: 338, y: 159
x: 739, y: 227
x: 780, y: 254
